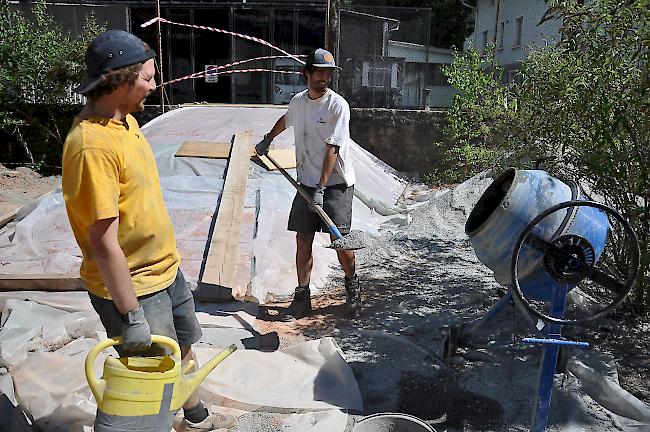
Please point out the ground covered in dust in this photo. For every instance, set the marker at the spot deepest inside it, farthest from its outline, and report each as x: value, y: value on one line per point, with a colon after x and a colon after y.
x: 21, y: 185
x: 418, y: 279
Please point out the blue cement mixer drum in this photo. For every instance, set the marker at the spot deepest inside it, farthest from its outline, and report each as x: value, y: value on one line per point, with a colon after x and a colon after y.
x: 505, y: 209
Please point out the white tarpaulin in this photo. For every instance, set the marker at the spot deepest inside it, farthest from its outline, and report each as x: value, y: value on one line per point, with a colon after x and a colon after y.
x: 44, y: 349
x: 45, y: 336
x: 42, y: 241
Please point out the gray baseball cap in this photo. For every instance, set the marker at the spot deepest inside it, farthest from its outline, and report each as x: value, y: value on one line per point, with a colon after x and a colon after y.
x: 321, y: 58
x: 111, y: 50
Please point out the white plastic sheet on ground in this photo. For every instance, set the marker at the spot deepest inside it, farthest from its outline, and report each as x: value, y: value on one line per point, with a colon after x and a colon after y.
x: 44, y: 343
x: 311, y: 375
x: 45, y: 336
x: 42, y: 242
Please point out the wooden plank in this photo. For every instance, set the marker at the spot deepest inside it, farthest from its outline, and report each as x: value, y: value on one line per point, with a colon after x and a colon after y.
x: 286, y: 158
x: 9, y: 216
x: 204, y: 149
x: 223, y: 253
x: 42, y: 282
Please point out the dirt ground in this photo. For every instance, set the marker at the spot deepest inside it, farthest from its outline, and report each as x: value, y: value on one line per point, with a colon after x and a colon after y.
x: 422, y: 278
x: 415, y: 281
x: 20, y: 186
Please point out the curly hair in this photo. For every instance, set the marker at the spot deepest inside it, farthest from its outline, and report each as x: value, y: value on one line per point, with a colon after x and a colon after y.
x: 308, y: 69
x: 113, y: 79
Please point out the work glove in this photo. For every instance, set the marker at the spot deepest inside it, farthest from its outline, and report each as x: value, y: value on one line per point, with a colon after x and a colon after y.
x: 317, y: 196
x: 136, y: 332
x: 262, y: 147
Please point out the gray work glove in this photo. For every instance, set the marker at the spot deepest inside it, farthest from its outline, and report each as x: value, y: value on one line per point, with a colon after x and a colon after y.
x: 317, y: 196
x: 262, y: 147
x: 136, y: 331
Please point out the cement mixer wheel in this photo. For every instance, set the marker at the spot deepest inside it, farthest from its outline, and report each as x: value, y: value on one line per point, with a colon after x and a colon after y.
x: 570, y: 259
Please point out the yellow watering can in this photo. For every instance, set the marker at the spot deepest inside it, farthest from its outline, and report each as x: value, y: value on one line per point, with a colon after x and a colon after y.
x: 139, y: 386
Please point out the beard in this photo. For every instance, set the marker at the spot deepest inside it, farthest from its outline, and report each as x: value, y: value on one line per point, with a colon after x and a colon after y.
x: 320, y: 86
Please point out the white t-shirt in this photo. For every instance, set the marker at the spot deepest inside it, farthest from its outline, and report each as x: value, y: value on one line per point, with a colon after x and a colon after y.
x: 316, y: 123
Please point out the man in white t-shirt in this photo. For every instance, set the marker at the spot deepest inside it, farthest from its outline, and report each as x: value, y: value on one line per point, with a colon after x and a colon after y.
x: 320, y: 120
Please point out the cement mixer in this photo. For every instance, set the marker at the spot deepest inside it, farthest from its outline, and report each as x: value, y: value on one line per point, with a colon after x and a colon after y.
x: 548, y: 243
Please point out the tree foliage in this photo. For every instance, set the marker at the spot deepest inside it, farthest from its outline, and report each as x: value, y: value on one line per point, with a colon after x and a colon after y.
x: 39, y: 63
x: 580, y: 109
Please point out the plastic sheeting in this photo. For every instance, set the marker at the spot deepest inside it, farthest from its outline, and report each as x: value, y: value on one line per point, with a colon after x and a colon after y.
x: 44, y: 348
x: 311, y: 375
x: 42, y: 241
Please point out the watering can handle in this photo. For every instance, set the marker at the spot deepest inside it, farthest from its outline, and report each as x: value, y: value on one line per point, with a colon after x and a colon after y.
x: 96, y: 383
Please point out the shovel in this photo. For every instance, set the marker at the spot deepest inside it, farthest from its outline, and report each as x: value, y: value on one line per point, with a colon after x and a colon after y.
x: 339, y: 243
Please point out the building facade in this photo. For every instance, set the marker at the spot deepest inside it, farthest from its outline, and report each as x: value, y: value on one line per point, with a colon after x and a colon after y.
x: 294, y: 26
x: 514, y: 28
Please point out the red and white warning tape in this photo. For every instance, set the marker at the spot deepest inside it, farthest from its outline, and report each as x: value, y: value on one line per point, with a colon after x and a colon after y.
x: 243, y: 36
x: 232, y: 71
x: 210, y: 70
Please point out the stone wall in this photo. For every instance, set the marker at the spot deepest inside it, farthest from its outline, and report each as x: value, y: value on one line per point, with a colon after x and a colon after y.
x: 401, y: 138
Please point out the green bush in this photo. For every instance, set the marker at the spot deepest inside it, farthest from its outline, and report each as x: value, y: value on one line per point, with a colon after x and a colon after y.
x: 579, y: 110
x: 39, y: 63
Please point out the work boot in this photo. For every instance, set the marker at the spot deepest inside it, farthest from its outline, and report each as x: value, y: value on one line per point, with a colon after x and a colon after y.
x: 352, y: 296
x: 300, y: 306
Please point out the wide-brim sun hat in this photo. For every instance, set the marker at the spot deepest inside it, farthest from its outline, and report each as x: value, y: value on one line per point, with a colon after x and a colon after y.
x: 321, y: 58
x: 112, y: 50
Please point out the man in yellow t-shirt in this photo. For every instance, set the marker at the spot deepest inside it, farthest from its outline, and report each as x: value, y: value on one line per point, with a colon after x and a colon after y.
x: 117, y: 213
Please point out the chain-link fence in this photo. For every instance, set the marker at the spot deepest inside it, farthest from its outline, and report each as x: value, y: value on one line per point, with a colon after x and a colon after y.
x: 387, y: 60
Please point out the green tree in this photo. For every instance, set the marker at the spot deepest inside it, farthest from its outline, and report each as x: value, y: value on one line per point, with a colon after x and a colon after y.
x: 39, y: 63
x: 580, y: 109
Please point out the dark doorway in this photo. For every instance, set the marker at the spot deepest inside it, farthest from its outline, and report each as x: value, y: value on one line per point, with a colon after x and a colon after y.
x: 212, y: 48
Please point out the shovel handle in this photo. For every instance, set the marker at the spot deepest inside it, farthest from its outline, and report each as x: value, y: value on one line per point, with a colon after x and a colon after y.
x: 318, y: 209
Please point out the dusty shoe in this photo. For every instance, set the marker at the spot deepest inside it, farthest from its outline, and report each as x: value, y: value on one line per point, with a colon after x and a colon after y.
x: 300, y: 306
x: 214, y: 421
x: 352, y: 296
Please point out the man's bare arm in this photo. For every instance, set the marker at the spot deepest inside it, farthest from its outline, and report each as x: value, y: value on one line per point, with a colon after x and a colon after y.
x: 328, y: 164
x: 112, y: 264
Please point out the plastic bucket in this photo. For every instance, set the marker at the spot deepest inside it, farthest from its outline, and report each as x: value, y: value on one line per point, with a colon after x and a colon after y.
x: 391, y: 422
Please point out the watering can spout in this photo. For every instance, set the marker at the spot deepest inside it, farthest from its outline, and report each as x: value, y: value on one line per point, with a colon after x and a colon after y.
x: 191, y: 381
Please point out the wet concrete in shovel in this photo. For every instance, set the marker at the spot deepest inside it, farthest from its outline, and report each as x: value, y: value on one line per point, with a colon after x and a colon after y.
x: 354, y: 240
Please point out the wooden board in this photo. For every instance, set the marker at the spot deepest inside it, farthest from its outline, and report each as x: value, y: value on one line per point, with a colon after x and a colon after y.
x: 204, y: 149
x: 223, y: 253
x: 286, y: 158
x: 41, y: 282
x: 218, y: 150
x: 9, y: 216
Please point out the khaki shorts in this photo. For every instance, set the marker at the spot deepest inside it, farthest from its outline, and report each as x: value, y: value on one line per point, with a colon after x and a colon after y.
x: 337, y: 203
x: 170, y: 312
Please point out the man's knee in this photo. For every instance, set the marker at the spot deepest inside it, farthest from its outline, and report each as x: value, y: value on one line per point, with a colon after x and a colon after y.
x: 304, y: 239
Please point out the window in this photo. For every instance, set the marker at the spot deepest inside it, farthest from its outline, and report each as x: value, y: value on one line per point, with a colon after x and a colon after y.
x: 379, y: 74
x: 519, y: 28
x: 502, y: 29
x: 484, y: 42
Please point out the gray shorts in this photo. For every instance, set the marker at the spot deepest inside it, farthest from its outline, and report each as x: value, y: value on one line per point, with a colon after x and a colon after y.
x: 337, y: 203
x: 169, y: 312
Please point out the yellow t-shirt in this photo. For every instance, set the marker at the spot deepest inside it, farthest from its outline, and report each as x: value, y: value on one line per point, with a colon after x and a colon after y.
x: 109, y: 171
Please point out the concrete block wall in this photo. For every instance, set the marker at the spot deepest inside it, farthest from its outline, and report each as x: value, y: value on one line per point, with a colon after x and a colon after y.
x: 402, y: 138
